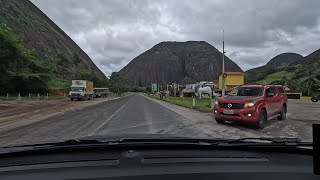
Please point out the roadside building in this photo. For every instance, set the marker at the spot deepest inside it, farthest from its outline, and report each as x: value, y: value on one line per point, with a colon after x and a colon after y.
x: 232, y: 79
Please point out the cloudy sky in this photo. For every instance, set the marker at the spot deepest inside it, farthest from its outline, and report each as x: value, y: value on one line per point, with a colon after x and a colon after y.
x: 113, y: 32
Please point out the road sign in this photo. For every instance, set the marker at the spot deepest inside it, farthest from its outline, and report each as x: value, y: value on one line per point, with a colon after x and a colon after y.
x: 154, y: 87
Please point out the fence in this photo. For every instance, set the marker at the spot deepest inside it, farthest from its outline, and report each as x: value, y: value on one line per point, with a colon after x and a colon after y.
x: 30, y: 96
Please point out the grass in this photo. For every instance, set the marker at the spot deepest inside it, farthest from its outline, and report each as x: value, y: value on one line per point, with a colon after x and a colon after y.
x: 203, y: 104
x: 59, y: 84
x: 275, y: 76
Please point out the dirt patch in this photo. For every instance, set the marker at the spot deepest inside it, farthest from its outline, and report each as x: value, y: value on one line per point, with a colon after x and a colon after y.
x: 18, y: 113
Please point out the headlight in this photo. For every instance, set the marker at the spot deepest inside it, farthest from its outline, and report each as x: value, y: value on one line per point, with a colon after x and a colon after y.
x: 249, y: 104
x: 69, y: 93
x: 82, y: 94
x: 216, y: 103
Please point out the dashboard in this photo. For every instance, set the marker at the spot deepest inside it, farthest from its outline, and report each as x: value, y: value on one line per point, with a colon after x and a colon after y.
x: 154, y: 163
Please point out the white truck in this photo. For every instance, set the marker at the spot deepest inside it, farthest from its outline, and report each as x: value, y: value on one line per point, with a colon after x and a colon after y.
x: 81, y: 90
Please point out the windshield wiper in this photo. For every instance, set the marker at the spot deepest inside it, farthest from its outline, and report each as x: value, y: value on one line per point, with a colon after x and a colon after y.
x: 265, y: 141
x: 105, y: 142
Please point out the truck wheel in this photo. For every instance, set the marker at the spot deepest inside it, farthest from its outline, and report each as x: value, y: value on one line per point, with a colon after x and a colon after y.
x: 262, y: 120
x: 71, y: 99
x: 283, y: 114
x: 220, y: 121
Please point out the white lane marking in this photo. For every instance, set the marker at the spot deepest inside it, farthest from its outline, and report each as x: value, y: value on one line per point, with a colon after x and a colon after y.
x: 94, y: 131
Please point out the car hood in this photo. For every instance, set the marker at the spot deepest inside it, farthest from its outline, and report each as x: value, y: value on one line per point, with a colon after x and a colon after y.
x: 239, y: 98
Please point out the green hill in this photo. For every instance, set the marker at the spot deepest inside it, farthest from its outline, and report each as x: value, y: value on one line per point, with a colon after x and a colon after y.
x: 299, y: 73
x: 298, y: 78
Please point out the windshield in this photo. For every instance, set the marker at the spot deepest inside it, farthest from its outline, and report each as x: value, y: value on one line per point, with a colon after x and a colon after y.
x: 247, y: 91
x: 76, y: 88
x: 163, y: 68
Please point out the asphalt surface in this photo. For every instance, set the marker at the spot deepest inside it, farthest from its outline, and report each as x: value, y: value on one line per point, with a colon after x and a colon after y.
x: 133, y: 114
x: 137, y: 114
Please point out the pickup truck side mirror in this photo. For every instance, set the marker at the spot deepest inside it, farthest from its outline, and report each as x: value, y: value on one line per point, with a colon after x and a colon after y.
x: 270, y: 94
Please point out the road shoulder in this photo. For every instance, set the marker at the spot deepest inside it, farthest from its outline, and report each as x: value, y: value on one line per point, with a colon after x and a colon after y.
x: 22, y: 114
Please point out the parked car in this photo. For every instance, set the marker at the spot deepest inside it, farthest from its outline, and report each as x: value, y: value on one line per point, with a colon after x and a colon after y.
x: 252, y: 104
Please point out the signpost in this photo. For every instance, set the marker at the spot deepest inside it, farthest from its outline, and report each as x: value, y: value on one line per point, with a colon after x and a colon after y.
x: 153, y: 87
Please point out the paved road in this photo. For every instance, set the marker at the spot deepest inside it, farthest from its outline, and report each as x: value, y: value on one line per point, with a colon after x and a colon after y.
x: 137, y: 114
x: 134, y: 114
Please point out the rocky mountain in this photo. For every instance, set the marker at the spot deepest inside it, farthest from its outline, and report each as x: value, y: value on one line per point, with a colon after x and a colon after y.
x: 44, y: 37
x: 183, y: 62
x: 283, y: 59
x: 312, y: 59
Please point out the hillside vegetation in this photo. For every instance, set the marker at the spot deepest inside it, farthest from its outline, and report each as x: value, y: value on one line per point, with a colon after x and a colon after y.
x: 21, y: 71
x: 47, y: 46
x: 300, y: 74
x: 298, y: 78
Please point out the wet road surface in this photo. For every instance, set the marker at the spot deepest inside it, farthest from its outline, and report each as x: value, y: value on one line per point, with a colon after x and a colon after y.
x: 133, y: 114
x: 137, y: 114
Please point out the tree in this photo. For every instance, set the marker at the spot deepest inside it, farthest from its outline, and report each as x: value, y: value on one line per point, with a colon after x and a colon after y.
x: 310, y: 81
x: 118, y: 83
x: 63, y: 65
x: 20, y: 70
x: 148, y: 89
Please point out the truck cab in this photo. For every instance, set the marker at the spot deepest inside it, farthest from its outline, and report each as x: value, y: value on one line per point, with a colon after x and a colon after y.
x: 252, y: 104
x: 81, y: 90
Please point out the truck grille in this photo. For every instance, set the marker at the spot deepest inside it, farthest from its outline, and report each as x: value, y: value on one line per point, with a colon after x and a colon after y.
x: 234, y: 105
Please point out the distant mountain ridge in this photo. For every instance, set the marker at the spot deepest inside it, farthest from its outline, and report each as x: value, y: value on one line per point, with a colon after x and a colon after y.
x: 284, y: 59
x: 311, y: 59
x: 181, y: 62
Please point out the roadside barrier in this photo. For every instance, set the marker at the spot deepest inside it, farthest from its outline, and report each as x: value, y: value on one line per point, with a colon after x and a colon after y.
x: 29, y: 96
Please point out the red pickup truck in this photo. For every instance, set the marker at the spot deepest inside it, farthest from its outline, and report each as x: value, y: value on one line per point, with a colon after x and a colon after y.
x: 253, y: 104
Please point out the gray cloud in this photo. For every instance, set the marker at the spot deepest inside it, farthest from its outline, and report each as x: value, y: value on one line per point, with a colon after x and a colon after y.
x: 113, y: 32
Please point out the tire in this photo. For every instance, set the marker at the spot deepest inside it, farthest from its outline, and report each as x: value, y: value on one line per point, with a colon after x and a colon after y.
x: 283, y: 114
x: 262, y: 120
x: 220, y: 121
x: 314, y: 99
x: 71, y: 99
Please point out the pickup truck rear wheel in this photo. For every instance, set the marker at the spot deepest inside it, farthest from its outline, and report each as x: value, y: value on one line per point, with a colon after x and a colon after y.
x: 220, y: 121
x: 262, y: 120
x: 283, y: 114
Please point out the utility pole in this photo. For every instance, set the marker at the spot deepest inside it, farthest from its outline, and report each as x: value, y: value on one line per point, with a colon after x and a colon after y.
x: 174, y: 89
x: 223, y: 70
